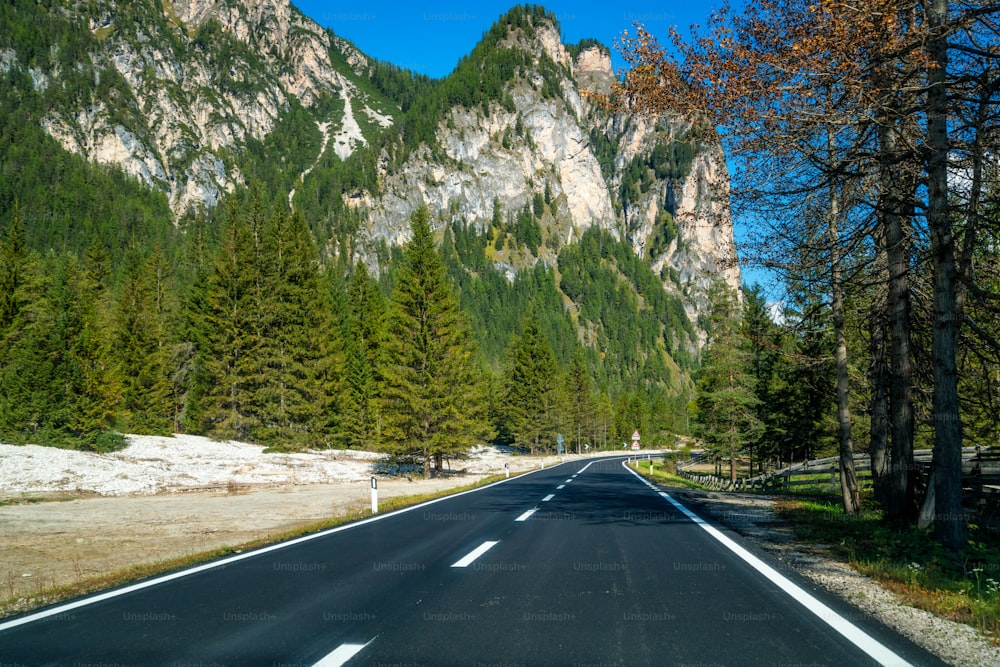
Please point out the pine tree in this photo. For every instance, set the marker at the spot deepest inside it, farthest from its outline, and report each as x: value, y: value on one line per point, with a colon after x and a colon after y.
x: 581, y: 399
x: 13, y: 261
x: 227, y: 327
x: 531, y: 401
x: 24, y: 326
x: 727, y: 406
x: 298, y: 341
x: 60, y: 384
x: 434, y: 398
x: 143, y: 347
x: 95, y: 401
x: 365, y: 339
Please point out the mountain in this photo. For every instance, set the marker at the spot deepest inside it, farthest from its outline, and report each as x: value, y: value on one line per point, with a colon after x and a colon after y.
x: 195, y: 98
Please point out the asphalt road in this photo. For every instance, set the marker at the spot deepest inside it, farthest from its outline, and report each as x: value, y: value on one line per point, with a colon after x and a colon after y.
x: 581, y: 564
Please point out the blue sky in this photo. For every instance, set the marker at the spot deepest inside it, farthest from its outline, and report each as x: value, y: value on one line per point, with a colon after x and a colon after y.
x: 431, y: 36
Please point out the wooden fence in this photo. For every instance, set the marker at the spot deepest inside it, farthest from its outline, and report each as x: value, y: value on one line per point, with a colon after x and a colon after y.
x: 980, y: 470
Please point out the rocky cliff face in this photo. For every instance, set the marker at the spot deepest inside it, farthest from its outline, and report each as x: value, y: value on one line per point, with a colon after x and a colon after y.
x: 179, y: 89
x: 548, y: 144
x: 193, y: 106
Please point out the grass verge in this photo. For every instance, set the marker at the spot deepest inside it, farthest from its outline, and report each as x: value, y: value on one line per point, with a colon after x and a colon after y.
x: 662, y: 473
x: 908, y: 561
x: 52, y: 595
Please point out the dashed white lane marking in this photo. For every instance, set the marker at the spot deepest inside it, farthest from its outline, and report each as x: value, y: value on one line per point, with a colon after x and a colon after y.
x: 876, y: 650
x: 560, y: 487
x: 524, y: 517
x: 466, y: 560
x: 548, y: 497
x: 568, y: 480
x: 342, y: 654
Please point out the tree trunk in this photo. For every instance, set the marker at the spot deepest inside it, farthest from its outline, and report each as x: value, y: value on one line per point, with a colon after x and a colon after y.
x: 949, y: 520
x: 848, y: 477
x: 879, y: 378
x: 901, y: 507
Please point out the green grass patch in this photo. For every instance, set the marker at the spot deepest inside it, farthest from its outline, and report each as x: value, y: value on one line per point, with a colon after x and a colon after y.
x: 663, y: 473
x: 33, y: 500
x: 908, y: 561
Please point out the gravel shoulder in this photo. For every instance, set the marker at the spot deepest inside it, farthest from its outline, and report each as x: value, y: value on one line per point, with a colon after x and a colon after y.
x: 753, y: 517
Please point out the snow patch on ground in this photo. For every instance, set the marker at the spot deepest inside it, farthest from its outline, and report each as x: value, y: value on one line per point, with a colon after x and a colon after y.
x: 159, y: 464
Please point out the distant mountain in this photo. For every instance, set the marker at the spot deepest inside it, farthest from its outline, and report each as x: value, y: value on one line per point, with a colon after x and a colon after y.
x: 194, y: 98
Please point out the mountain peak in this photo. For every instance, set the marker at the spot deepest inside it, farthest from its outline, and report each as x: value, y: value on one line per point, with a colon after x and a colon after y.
x: 534, y: 29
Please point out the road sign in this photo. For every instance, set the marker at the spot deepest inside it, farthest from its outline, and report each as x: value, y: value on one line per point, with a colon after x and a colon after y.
x: 635, y: 440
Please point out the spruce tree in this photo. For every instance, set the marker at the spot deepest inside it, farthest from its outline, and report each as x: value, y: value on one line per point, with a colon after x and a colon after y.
x: 96, y: 399
x: 727, y: 406
x: 25, y: 320
x: 581, y: 399
x: 13, y: 267
x: 365, y: 336
x: 531, y: 401
x: 228, y: 332
x: 434, y: 398
x: 297, y: 337
x: 143, y: 347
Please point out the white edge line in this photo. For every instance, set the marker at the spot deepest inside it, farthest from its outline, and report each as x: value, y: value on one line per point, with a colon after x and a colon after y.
x: 466, y: 560
x: 342, y: 654
x: 548, y: 497
x: 107, y: 595
x: 848, y: 630
x: 524, y: 517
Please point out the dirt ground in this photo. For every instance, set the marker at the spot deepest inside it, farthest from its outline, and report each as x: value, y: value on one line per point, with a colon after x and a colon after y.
x: 55, y: 543
x: 69, y: 537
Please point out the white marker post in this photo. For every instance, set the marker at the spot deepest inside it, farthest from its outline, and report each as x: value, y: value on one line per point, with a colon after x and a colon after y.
x: 506, y: 469
x: 374, y: 495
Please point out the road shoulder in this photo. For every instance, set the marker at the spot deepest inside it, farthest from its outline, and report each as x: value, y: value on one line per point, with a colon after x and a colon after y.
x: 753, y: 517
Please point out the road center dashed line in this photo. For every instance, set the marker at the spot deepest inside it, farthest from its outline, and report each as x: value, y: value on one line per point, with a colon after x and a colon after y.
x: 548, y: 497
x: 526, y: 515
x: 466, y: 560
x: 560, y: 487
x: 342, y: 654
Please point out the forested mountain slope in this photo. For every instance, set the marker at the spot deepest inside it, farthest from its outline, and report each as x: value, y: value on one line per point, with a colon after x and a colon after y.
x: 126, y: 124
